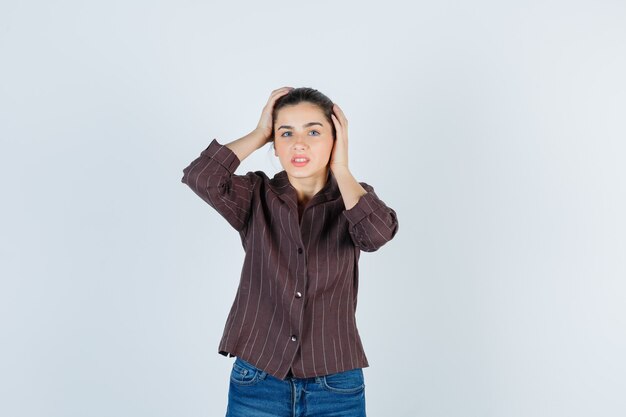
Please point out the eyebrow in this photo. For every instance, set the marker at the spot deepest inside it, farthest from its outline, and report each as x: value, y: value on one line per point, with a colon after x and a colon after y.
x: 305, y: 125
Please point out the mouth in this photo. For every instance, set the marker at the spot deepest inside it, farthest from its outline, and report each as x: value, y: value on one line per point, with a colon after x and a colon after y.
x: 299, y: 161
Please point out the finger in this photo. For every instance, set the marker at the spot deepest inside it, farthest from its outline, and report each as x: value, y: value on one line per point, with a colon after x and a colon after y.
x: 282, y: 89
x: 340, y: 115
x: 342, y: 125
x: 340, y: 130
x: 276, y: 94
x: 336, y: 122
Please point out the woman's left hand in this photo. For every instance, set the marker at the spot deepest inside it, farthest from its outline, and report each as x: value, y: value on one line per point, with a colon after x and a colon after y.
x: 339, y: 154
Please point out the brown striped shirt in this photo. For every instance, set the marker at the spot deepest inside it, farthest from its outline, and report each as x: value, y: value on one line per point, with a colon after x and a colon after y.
x: 296, y: 301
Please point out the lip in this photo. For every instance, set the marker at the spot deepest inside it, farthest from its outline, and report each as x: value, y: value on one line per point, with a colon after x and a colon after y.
x: 299, y: 164
x: 300, y: 156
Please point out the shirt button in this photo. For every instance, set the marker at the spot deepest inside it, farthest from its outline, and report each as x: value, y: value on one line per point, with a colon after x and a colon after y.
x: 298, y: 294
x: 299, y: 250
x: 294, y: 338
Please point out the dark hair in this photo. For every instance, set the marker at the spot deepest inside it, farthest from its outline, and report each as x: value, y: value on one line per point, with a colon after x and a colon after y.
x: 304, y: 94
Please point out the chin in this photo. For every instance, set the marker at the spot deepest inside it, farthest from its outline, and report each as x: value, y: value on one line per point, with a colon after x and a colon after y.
x: 307, y: 173
x: 299, y: 173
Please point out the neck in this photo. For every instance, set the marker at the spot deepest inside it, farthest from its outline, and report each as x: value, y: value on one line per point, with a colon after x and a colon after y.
x: 306, y: 188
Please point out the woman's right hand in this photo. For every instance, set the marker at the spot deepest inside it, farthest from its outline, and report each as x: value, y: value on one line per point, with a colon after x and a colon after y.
x: 265, y: 126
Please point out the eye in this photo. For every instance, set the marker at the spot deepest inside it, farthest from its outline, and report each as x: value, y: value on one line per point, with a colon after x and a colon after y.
x: 285, y: 133
x: 316, y: 132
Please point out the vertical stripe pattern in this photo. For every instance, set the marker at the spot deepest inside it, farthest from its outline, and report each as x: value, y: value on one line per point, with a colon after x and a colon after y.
x: 296, y: 301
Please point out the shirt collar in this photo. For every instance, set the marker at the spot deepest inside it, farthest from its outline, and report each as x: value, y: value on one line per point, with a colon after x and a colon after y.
x: 281, y: 185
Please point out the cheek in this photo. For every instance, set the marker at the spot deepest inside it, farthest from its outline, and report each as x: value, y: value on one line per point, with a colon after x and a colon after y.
x: 279, y: 147
x: 327, y: 148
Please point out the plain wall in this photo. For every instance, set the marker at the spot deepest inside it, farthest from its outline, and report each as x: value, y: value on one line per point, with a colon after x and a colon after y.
x: 494, y: 129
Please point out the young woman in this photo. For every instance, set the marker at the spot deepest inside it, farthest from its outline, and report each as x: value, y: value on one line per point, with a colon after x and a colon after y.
x: 292, y: 324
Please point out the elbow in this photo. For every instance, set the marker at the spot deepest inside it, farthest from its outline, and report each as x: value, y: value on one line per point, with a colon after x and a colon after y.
x: 393, y: 224
x: 374, y: 240
x: 373, y: 245
x: 190, y: 180
x: 186, y: 177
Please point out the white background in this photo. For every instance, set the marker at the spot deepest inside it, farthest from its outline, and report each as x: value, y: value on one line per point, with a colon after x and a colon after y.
x: 494, y: 129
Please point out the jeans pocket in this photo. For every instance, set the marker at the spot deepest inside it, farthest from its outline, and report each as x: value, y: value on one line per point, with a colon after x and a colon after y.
x: 347, y: 382
x: 244, y: 373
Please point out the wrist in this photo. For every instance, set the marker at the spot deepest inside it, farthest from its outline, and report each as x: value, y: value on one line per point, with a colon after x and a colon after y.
x: 259, y: 137
x: 339, y: 169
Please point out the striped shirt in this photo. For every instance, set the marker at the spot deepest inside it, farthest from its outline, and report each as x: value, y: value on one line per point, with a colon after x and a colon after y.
x: 294, y: 309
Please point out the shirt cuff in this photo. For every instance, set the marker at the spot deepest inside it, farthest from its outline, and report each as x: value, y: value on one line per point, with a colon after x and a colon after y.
x: 366, y: 205
x: 222, y: 155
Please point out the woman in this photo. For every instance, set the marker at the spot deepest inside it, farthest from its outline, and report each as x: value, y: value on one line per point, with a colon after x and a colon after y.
x: 292, y: 324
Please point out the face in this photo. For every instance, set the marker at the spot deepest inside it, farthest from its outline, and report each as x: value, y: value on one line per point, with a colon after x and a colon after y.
x: 301, y: 130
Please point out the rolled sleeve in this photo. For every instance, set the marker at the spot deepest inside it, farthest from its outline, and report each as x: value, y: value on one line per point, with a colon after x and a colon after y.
x: 371, y: 223
x: 212, y: 177
x: 364, y: 207
x: 222, y: 155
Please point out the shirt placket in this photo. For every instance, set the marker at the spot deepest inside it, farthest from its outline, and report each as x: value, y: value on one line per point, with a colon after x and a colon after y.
x: 301, y: 281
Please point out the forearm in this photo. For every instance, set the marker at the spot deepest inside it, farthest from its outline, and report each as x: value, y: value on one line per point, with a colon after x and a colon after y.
x: 245, y: 145
x: 349, y: 187
x: 212, y: 177
x: 371, y: 223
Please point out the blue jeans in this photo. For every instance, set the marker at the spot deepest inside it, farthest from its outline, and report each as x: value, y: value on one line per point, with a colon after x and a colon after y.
x: 255, y: 393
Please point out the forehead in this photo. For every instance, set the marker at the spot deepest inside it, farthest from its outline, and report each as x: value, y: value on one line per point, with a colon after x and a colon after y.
x: 302, y: 112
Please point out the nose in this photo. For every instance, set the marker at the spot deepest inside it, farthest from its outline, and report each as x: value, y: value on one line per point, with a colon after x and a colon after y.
x: 299, y: 143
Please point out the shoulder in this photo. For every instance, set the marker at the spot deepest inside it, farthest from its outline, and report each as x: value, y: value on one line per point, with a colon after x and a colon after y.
x: 260, y: 180
x: 368, y: 187
x: 258, y: 176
